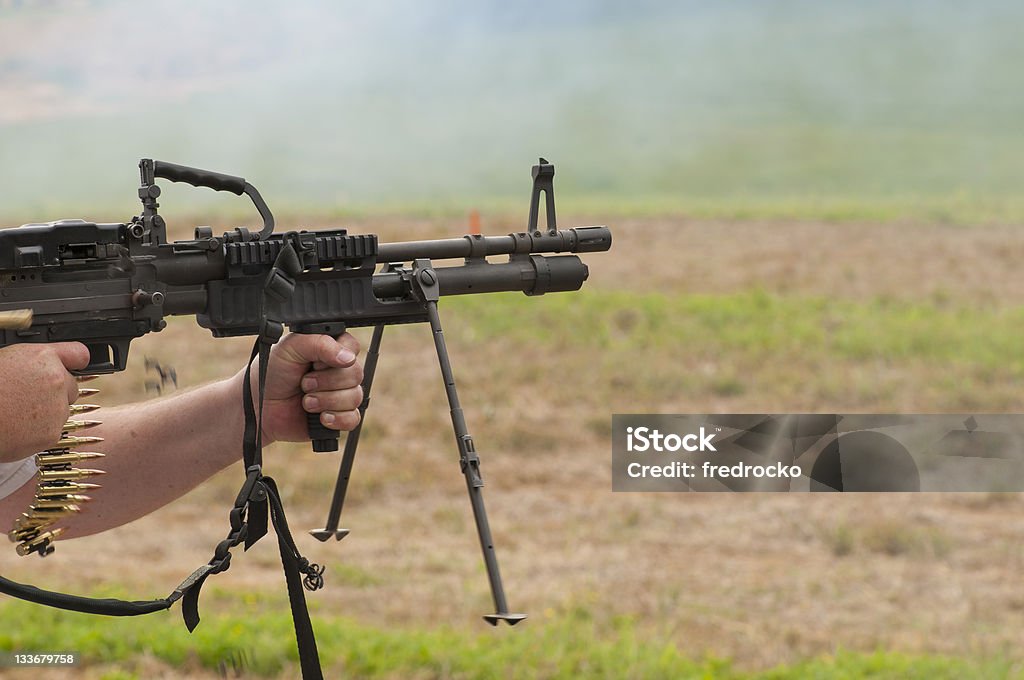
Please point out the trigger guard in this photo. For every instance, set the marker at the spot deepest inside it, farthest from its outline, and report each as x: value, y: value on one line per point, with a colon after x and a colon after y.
x: 104, y: 357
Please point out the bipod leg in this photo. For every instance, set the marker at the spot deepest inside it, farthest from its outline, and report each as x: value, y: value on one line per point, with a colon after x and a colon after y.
x: 351, y: 442
x: 470, y: 463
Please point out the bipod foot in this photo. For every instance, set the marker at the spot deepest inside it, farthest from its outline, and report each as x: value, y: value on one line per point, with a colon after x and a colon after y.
x: 510, y: 619
x: 324, y: 534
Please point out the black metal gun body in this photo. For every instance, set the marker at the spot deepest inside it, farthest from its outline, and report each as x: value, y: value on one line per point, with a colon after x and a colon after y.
x: 107, y: 284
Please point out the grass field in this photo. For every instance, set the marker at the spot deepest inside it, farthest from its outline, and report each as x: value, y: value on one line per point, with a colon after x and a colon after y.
x: 567, y: 645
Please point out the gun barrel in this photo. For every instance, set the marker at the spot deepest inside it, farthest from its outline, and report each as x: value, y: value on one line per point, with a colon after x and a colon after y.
x: 574, y: 240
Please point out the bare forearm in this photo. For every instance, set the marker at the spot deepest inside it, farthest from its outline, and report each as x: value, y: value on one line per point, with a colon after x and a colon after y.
x: 157, y: 451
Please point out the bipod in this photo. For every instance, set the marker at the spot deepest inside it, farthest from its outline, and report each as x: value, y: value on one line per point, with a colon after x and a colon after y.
x: 425, y: 284
x: 351, y: 442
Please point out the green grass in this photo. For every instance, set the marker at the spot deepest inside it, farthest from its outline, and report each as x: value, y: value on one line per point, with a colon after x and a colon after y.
x: 648, y: 352
x: 565, y: 645
x: 885, y: 665
x: 755, y: 324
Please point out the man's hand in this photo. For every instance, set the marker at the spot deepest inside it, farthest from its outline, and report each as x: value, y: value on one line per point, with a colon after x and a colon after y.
x: 313, y: 373
x: 35, y: 392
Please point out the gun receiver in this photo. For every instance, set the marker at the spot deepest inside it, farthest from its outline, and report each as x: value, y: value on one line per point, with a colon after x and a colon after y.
x: 106, y: 284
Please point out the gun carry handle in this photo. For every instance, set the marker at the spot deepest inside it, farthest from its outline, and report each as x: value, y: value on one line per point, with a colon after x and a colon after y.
x: 217, y: 181
x: 198, y: 177
x: 324, y: 439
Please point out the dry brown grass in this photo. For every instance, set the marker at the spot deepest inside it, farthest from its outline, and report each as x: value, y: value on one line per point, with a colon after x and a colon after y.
x: 760, y: 578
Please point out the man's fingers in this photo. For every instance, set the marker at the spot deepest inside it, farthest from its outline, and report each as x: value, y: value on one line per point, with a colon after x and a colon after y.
x: 345, y: 420
x: 335, y: 400
x: 339, y: 353
x: 333, y: 379
x: 74, y: 355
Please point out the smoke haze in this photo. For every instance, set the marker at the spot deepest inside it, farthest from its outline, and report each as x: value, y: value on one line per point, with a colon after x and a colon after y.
x: 328, y: 104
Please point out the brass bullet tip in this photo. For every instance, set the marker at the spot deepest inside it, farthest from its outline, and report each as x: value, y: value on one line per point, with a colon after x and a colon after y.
x: 68, y: 502
x: 54, y: 489
x: 72, y: 441
x: 72, y: 473
x: 73, y: 498
x: 48, y: 458
x: 87, y: 391
x: 52, y: 509
x: 73, y: 425
x: 85, y: 378
x: 35, y: 512
x: 83, y: 408
x: 26, y: 523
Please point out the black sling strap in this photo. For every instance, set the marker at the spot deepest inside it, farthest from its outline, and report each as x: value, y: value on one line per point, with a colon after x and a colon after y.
x: 257, y: 500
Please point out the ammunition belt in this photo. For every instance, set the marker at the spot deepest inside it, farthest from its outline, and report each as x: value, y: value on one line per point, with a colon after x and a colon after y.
x: 59, y: 487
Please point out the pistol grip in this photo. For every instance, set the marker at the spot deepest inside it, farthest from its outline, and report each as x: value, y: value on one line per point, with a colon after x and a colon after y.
x: 324, y: 439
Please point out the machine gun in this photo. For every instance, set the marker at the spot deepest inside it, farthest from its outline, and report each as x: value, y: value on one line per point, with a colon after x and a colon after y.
x: 106, y: 284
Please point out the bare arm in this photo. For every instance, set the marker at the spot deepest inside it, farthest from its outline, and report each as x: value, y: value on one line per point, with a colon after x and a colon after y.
x: 159, y: 450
